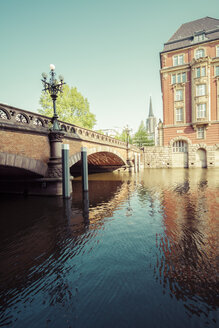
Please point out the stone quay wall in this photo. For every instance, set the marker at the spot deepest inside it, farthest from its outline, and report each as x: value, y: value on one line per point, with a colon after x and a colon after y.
x: 157, y: 157
x: 165, y: 157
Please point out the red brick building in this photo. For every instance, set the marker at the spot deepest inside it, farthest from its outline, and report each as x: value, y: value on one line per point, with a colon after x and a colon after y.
x: 190, y: 89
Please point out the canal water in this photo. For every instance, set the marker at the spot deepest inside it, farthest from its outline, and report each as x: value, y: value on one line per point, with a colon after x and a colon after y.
x: 142, y: 252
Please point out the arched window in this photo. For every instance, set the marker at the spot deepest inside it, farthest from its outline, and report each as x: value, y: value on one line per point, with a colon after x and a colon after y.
x: 180, y: 146
x: 199, y: 53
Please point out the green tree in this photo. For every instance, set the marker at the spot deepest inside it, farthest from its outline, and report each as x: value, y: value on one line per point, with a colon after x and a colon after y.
x: 123, y: 136
x: 140, y: 138
x: 71, y: 107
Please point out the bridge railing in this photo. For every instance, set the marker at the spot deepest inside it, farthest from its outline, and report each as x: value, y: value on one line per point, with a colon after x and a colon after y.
x: 33, y: 121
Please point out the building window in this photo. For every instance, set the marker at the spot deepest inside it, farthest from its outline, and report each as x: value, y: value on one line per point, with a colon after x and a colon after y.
x: 201, y: 132
x: 200, y: 71
x: 178, y: 78
x: 200, y: 36
x: 178, y: 60
x: 217, y: 51
x: 203, y: 71
x: 179, y: 114
x: 180, y: 146
x: 217, y: 71
x: 173, y: 78
x: 201, y: 111
x: 199, y: 53
x: 178, y: 95
x: 201, y: 90
x: 183, y: 77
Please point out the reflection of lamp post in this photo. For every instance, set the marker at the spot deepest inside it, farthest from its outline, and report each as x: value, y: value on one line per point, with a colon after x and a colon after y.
x: 53, y: 87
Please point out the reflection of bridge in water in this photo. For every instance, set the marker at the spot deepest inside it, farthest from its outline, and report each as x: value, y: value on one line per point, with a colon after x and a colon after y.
x: 33, y: 239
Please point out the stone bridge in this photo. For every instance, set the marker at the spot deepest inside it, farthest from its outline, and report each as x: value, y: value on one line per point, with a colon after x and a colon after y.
x: 31, y: 153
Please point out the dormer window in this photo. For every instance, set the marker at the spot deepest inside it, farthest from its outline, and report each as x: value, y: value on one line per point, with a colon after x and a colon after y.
x: 199, y: 36
x: 199, y: 53
x: 178, y: 60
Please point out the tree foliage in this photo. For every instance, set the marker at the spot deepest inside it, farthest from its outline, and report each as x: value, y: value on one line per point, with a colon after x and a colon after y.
x: 140, y: 138
x: 123, y: 136
x: 71, y: 107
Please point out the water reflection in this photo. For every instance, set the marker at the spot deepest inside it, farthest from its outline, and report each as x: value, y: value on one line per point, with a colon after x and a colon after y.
x: 187, y: 261
x: 136, y: 239
x: 39, y: 237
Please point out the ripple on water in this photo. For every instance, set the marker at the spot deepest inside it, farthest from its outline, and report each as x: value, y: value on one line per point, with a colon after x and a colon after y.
x: 143, y: 249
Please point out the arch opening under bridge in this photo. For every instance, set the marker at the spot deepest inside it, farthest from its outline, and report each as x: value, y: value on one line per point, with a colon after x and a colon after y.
x: 98, y: 161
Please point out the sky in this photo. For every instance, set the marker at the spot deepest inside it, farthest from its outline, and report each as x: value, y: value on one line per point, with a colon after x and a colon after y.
x: 108, y: 49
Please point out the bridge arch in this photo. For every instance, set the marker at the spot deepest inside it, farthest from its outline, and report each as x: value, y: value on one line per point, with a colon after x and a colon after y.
x: 21, y: 162
x: 112, y: 153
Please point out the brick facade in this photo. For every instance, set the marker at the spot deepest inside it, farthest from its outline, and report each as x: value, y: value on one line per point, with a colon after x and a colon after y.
x: 28, y: 145
x: 190, y: 90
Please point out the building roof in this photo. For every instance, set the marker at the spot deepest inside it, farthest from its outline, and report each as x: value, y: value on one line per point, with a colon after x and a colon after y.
x: 187, y: 34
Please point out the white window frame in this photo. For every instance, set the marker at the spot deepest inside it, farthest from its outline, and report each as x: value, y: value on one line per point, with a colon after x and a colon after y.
x: 200, y: 71
x: 200, y: 53
x: 175, y: 60
x: 178, y: 60
x: 178, y: 94
x: 179, y: 114
x: 217, y: 51
x: 201, y: 110
x: 200, y: 132
x: 200, y: 90
x: 173, y: 79
x: 199, y: 37
x: 203, y: 70
x: 217, y: 70
x: 182, y: 77
x: 180, y: 146
x: 178, y: 78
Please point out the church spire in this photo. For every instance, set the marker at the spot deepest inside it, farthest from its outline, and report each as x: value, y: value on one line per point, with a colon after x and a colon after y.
x: 151, y: 114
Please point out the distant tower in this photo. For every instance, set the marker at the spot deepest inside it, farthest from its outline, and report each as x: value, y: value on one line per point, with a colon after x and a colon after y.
x: 151, y: 123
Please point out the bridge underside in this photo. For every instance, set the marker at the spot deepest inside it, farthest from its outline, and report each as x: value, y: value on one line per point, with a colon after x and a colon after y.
x: 17, y: 180
x: 11, y: 173
x: 99, y: 162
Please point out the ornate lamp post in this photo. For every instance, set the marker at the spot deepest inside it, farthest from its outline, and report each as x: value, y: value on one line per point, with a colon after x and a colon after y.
x: 53, y: 87
x: 56, y: 135
x: 127, y: 131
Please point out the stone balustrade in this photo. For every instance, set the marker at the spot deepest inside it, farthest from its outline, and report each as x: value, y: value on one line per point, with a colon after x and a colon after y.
x: 22, y: 119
